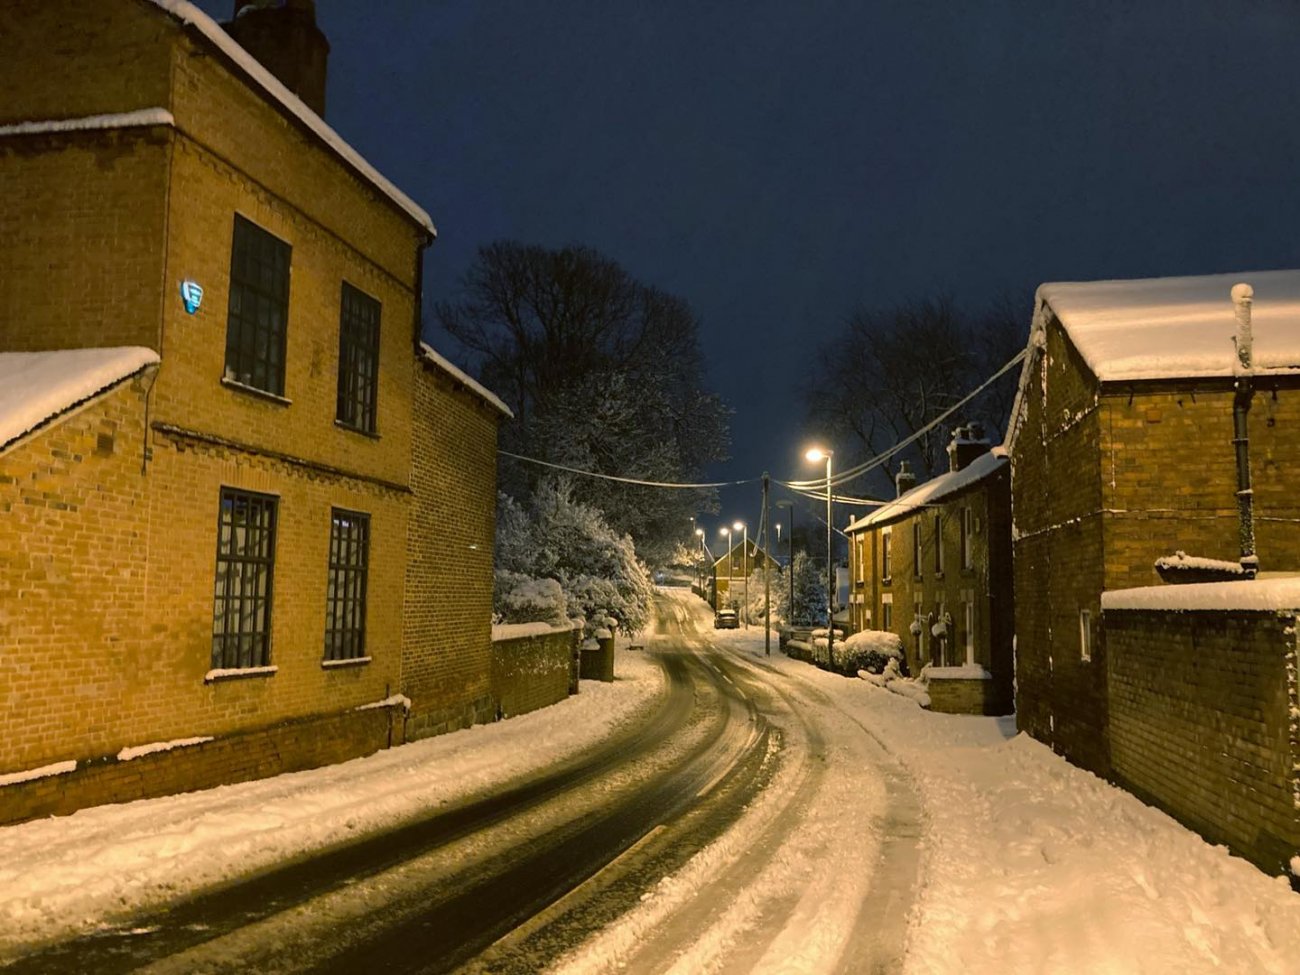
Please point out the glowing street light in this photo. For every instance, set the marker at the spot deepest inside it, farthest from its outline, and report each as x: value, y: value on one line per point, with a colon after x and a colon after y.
x: 817, y: 454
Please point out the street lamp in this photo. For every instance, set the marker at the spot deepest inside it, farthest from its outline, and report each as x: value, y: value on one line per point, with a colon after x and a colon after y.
x: 814, y: 455
x: 744, y: 566
x: 727, y: 532
x: 789, y: 569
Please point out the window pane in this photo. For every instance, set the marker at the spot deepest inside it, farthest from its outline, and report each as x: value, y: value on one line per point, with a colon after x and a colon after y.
x: 258, y: 308
x: 241, y: 609
x: 358, y: 359
x: 345, y: 609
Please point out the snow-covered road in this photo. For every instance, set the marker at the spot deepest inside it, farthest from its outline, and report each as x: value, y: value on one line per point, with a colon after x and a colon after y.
x: 884, y: 837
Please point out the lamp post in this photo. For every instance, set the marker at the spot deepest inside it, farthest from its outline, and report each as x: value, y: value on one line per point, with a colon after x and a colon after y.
x: 744, y: 567
x: 815, y: 455
x: 727, y: 532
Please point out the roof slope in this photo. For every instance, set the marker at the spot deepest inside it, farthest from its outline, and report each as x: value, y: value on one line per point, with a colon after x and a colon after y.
x: 35, y: 387
x: 933, y: 490
x: 462, y: 377
x: 187, y: 13
x: 1174, y: 328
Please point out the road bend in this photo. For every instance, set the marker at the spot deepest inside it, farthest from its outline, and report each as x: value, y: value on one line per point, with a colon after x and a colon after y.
x: 519, y: 874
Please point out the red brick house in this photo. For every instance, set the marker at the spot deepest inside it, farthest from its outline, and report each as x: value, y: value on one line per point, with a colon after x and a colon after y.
x: 934, y: 567
x: 1122, y: 450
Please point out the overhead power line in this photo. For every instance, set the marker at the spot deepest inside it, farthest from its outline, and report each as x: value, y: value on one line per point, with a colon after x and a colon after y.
x: 624, y: 480
x: 853, y: 473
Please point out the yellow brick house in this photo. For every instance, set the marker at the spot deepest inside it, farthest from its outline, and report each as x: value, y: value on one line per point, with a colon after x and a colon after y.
x: 283, y: 451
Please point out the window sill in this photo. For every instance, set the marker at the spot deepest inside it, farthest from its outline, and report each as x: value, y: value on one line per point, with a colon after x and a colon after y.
x: 254, y: 391
x: 218, y: 674
x: 371, y: 434
x: 343, y: 664
x: 887, y: 580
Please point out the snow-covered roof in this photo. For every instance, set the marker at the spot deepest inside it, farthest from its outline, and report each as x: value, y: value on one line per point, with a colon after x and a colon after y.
x: 1174, y: 328
x: 35, y: 387
x: 1264, y: 595
x: 114, y: 120
x: 187, y: 13
x: 466, y: 380
x: 933, y: 490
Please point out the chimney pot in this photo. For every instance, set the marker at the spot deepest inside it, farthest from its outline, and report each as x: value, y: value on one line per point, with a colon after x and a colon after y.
x: 905, y: 479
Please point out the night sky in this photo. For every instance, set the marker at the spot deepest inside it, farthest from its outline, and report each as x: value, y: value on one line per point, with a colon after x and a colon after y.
x: 778, y: 163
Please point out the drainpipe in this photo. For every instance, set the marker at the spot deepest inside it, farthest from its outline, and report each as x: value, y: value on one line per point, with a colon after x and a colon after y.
x: 1244, y: 392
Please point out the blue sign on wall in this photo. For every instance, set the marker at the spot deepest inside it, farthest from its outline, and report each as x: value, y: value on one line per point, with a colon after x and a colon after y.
x: 192, y: 295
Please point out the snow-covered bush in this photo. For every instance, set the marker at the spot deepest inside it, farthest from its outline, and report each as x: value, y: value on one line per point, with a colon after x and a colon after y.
x: 869, y: 650
x: 778, y: 586
x: 562, y: 540
x: 523, y: 599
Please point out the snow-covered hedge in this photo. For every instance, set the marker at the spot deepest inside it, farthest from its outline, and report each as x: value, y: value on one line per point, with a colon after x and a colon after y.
x: 869, y: 650
x: 523, y: 599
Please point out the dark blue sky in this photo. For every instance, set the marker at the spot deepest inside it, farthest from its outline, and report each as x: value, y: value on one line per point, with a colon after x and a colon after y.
x: 776, y: 163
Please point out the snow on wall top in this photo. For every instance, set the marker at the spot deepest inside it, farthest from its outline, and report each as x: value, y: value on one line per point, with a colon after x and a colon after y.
x: 37, y: 386
x: 465, y: 379
x: 933, y: 490
x: 115, y: 120
x: 187, y: 13
x: 1168, y: 328
x: 1267, y: 595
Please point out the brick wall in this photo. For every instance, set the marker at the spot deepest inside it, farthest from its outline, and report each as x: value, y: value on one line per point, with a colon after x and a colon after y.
x: 1202, y: 723
x: 447, y: 665
x: 287, y: 747
x: 531, y: 672
x: 1057, y: 508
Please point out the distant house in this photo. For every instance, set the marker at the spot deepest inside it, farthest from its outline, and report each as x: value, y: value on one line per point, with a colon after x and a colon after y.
x: 934, y: 567
x: 249, y: 517
x: 730, y: 572
x: 1123, y: 446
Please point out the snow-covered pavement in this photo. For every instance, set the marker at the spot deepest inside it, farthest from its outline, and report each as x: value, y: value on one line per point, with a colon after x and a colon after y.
x: 1027, y: 864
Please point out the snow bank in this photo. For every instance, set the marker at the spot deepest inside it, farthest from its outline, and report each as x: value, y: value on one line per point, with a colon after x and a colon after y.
x: 1265, y: 595
x: 36, y: 386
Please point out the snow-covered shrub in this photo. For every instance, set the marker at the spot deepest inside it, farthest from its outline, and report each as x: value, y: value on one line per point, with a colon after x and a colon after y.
x: 523, y: 599
x: 568, y: 542
x: 779, y: 588
x: 869, y: 650
x: 809, y: 593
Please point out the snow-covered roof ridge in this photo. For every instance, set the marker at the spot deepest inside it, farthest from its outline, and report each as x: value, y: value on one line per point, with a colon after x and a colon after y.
x: 1278, y: 594
x: 188, y: 13
x: 1175, y: 328
x: 35, y: 387
x: 141, y: 117
x: 933, y: 490
x: 464, y: 378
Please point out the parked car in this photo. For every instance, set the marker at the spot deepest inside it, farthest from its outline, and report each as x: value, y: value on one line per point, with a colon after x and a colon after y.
x: 726, y: 619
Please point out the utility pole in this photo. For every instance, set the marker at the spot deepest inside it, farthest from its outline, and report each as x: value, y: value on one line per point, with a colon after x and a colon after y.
x: 767, y: 580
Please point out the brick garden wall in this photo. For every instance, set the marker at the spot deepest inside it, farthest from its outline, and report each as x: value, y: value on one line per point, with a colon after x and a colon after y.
x: 531, y: 672
x: 286, y: 747
x: 1202, y: 723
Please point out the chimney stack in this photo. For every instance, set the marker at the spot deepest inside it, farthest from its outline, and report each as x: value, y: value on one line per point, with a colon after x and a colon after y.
x: 905, y: 480
x: 967, y: 444
x: 283, y: 36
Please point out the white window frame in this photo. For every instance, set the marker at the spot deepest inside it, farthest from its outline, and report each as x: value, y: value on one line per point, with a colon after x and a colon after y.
x: 861, y: 548
x: 886, y: 553
x: 1085, y: 635
x: 918, y: 554
x: 887, y: 611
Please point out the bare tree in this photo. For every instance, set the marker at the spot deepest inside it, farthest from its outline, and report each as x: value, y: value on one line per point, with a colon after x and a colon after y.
x: 894, y: 371
x: 603, y: 373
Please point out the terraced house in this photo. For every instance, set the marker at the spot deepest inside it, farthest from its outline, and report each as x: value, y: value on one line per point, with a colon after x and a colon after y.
x: 934, y: 567
x: 248, y: 517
